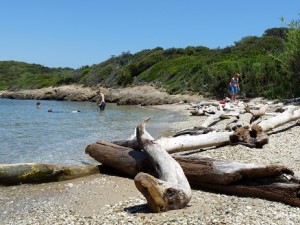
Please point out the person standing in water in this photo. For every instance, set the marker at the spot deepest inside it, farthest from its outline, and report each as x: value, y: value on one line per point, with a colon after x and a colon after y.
x: 102, y: 102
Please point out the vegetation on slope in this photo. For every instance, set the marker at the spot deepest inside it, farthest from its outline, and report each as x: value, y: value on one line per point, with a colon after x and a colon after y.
x: 20, y: 75
x: 269, y: 65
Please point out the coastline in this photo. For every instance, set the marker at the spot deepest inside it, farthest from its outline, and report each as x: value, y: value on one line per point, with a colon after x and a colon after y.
x: 109, y: 199
x: 136, y: 95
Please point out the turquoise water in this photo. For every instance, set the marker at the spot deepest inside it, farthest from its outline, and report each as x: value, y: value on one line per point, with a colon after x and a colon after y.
x: 30, y: 134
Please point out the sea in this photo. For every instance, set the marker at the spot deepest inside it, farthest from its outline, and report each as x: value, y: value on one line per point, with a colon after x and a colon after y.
x: 58, y: 131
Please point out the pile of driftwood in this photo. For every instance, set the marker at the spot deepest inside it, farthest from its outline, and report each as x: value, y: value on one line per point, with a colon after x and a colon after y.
x: 165, y: 178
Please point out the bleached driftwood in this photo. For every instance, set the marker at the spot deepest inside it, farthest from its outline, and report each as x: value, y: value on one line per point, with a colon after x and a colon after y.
x: 211, y: 119
x: 291, y: 114
x: 197, y: 112
x: 204, y: 108
x: 258, y: 112
x: 205, y: 127
x: 209, y: 103
x: 185, y: 143
x: 243, y: 121
x: 171, y: 190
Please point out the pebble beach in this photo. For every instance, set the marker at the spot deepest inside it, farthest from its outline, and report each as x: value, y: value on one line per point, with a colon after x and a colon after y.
x: 109, y: 199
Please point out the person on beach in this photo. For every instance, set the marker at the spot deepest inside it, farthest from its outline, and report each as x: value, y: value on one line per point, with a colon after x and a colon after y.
x: 234, y: 86
x: 102, y: 102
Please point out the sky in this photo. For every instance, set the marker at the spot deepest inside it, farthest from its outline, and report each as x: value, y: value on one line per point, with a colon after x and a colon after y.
x: 76, y: 33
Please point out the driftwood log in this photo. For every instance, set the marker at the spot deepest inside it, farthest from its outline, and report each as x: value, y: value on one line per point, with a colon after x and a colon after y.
x: 273, y: 182
x: 12, y: 174
x: 291, y: 114
x: 184, y: 143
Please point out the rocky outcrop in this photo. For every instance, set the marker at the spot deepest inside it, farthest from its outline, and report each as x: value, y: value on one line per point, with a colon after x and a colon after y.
x: 137, y: 95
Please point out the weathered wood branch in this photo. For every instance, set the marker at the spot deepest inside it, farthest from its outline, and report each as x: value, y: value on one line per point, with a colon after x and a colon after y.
x: 12, y: 174
x: 171, y: 190
x: 258, y: 112
x: 211, y: 119
x: 205, y: 127
x: 273, y: 182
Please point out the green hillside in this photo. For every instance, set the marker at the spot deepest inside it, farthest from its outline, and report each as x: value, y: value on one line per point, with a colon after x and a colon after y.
x: 269, y: 66
x: 21, y: 75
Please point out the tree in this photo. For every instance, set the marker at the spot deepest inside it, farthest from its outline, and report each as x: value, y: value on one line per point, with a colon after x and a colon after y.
x: 277, y: 32
x: 290, y: 59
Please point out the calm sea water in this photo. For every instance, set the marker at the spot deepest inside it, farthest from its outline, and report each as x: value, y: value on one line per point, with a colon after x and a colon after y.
x: 30, y: 134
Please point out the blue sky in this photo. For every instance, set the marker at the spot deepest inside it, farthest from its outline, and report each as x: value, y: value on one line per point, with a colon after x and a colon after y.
x: 75, y: 33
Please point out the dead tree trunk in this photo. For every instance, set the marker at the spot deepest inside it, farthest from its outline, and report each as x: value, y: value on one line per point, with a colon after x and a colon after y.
x: 171, y: 190
x: 12, y: 174
x: 274, y: 182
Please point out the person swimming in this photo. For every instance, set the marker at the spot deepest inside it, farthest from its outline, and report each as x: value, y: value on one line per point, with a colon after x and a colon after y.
x: 74, y: 111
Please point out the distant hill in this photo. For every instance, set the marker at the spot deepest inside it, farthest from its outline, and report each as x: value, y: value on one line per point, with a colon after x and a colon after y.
x: 20, y: 75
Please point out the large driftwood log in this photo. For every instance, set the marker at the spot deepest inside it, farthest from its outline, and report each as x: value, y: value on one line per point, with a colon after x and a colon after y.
x: 171, y: 190
x: 274, y: 182
x: 185, y: 143
x: 291, y: 114
x: 12, y: 174
x: 124, y: 159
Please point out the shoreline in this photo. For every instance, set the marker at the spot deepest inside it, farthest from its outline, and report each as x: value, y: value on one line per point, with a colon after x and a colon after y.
x: 110, y: 199
x: 137, y: 95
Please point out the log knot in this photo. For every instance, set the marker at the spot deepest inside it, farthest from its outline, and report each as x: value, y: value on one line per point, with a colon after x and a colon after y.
x: 175, y: 198
x: 255, y: 137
